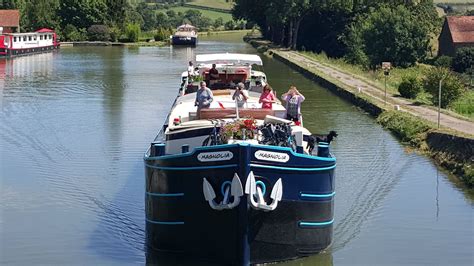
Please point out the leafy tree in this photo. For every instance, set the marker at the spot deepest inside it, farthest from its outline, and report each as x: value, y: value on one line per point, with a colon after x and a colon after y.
x: 230, y: 25
x: 98, y: 33
x: 71, y: 33
x: 82, y: 13
x: 117, y: 12
x: 452, y: 86
x: 464, y: 59
x: 132, y: 31
x: 219, y: 22
x: 389, y: 34
x: 41, y: 14
x: 162, y: 20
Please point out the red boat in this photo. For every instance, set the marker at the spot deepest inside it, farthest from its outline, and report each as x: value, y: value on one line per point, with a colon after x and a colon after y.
x: 13, y: 44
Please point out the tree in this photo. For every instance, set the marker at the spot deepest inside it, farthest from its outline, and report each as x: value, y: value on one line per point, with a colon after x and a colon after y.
x: 219, y: 22
x: 388, y: 34
x: 452, y: 86
x: 82, y: 13
x: 41, y: 14
x: 464, y: 59
x: 117, y: 12
x: 98, y: 33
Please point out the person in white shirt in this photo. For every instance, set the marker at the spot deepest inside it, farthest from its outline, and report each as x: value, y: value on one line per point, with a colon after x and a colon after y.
x: 241, y: 95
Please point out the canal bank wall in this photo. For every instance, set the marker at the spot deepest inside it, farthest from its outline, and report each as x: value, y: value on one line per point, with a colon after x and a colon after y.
x: 451, y: 150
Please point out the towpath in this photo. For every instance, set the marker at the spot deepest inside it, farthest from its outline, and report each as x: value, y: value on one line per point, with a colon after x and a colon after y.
x: 392, y: 101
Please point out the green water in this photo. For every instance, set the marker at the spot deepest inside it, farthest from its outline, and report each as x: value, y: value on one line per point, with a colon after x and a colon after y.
x: 74, y: 125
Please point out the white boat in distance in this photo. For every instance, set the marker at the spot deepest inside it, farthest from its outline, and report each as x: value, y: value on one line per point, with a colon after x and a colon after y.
x: 185, y: 34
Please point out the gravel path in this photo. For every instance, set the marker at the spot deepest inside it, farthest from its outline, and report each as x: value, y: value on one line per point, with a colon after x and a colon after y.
x: 366, y: 88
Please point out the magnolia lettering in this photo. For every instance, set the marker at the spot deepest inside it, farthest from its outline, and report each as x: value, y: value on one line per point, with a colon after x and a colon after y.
x: 215, y: 156
x: 272, y: 156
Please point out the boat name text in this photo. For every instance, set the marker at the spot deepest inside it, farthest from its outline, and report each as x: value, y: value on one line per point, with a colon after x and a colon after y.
x: 272, y: 156
x: 215, y: 156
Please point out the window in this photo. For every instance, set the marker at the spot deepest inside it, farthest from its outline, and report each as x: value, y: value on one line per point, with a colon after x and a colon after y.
x: 24, y: 38
x: 34, y: 38
x: 29, y: 38
x: 50, y: 37
x: 41, y: 37
x: 14, y: 39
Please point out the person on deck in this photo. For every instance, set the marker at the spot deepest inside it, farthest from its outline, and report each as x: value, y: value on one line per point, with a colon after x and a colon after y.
x: 213, y: 75
x: 192, y: 73
x: 240, y: 95
x: 267, y: 97
x: 204, y: 97
x: 293, y: 99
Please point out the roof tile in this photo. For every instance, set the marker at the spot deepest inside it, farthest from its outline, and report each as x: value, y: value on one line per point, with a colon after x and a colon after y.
x: 462, y: 28
x: 9, y: 18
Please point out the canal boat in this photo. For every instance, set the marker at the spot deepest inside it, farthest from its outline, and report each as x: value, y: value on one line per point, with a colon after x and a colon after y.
x: 14, y: 44
x: 185, y: 34
x: 236, y: 185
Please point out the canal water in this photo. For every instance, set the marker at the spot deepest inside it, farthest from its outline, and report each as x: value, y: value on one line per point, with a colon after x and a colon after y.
x: 74, y: 125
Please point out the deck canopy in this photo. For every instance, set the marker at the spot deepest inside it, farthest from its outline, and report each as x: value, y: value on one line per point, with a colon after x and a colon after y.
x: 236, y: 59
x: 186, y: 27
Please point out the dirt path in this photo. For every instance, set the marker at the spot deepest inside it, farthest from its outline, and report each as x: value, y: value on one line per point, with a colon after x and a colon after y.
x: 379, y: 95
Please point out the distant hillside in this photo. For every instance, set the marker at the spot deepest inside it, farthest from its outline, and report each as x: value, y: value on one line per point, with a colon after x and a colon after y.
x: 217, y: 4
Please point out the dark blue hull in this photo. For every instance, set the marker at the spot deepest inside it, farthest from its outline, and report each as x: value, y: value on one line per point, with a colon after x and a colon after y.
x: 180, y: 40
x: 180, y: 221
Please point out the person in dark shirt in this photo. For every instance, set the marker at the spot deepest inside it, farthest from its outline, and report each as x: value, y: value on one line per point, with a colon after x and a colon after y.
x: 213, y: 75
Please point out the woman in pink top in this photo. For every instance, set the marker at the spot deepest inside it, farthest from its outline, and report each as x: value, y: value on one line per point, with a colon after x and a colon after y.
x: 267, y: 97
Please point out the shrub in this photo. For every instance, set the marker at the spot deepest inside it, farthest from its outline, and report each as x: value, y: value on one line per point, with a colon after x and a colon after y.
x: 98, y: 33
x: 162, y: 34
x: 464, y: 59
x: 410, y: 87
x: 71, y: 33
x: 444, y: 61
x: 230, y: 25
x: 114, y: 33
x: 452, y: 87
x: 132, y: 32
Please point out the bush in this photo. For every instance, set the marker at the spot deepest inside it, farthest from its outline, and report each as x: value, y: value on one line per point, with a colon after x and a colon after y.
x: 162, y: 34
x: 132, y: 32
x: 452, y: 87
x: 71, y: 33
x: 464, y: 59
x: 444, y: 61
x: 410, y: 87
x: 98, y: 33
x: 230, y: 25
x: 114, y: 33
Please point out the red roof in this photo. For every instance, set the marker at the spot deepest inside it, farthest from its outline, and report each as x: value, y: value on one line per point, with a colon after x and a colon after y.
x: 461, y: 28
x: 9, y: 18
x: 44, y: 30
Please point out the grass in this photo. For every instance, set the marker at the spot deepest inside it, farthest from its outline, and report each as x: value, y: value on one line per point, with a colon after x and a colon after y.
x: 206, y: 13
x: 222, y: 4
x: 464, y: 105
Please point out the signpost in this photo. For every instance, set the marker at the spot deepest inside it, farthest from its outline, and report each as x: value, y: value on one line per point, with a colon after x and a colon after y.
x: 386, y: 71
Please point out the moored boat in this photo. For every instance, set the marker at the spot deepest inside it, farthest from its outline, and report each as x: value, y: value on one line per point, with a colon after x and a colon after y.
x: 13, y: 44
x: 236, y: 185
x: 185, y: 34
